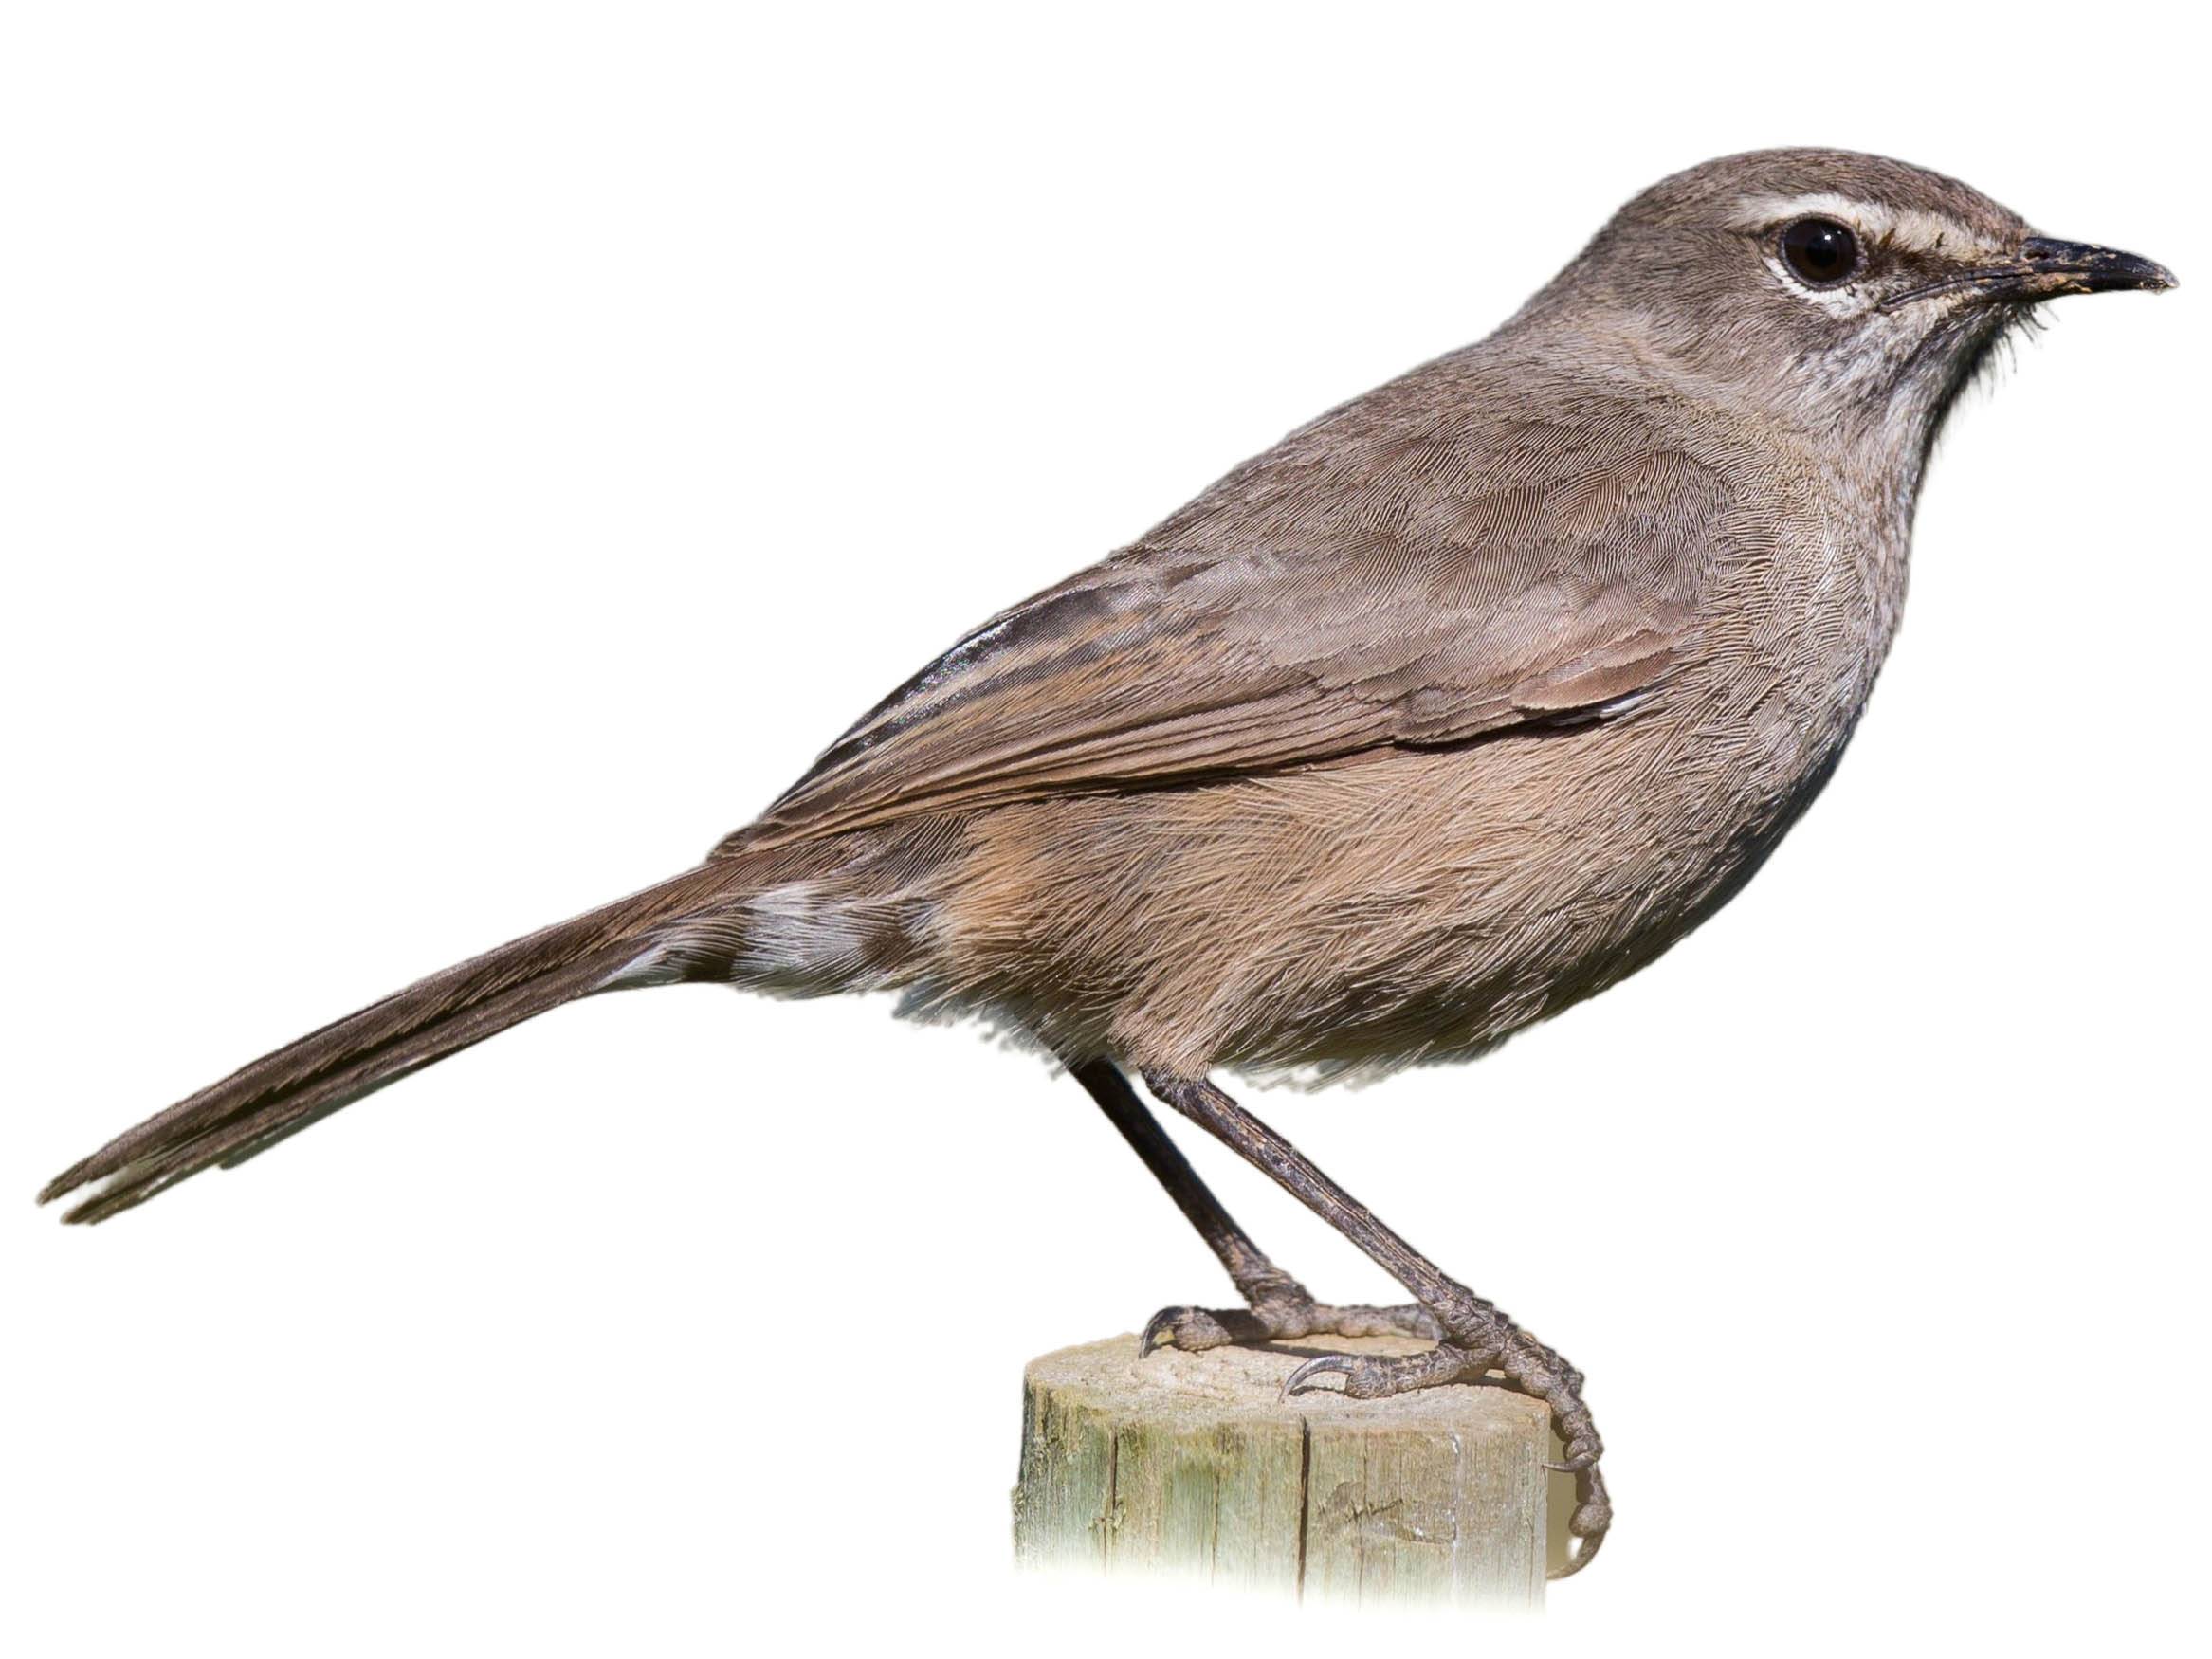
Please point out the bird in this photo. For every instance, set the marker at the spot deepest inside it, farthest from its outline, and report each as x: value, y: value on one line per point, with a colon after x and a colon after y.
x: 1462, y: 703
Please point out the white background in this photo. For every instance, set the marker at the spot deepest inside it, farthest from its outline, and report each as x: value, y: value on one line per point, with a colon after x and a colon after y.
x: 459, y: 461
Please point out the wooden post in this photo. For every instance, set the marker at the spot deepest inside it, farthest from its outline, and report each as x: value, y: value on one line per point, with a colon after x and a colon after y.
x: 1188, y: 1464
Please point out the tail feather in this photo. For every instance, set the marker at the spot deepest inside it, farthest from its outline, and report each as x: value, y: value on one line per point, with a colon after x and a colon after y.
x: 283, y: 1092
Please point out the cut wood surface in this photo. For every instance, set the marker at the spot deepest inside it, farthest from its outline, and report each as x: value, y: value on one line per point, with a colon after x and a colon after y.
x: 1190, y: 1464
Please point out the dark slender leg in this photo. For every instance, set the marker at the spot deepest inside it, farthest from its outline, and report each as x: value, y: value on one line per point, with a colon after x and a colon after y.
x: 1276, y: 1304
x: 1478, y: 1338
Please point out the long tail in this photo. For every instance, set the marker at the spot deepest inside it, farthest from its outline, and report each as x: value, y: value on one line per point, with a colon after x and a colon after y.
x: 283, y: 1092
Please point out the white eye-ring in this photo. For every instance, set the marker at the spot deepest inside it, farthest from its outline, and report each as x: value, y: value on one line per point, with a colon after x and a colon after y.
x: 1841, y: 300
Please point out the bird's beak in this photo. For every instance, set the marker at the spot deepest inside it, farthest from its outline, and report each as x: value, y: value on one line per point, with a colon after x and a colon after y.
x: 2047, y: 268
x: 2043, y: 269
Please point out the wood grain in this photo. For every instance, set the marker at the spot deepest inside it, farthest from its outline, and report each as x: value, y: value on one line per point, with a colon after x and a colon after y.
x: 1187, y: 1465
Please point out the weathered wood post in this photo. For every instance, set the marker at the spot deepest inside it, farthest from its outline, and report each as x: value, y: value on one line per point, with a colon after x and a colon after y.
x: 1189, y: 1465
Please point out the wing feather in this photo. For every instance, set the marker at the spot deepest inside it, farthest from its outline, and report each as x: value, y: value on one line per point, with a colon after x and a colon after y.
x: 1409, y: 570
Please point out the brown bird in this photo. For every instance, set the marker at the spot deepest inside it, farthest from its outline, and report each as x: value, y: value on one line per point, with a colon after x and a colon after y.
x: 1457, y: 705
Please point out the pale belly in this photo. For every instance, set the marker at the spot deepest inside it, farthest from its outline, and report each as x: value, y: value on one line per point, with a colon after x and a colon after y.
x: 1384, y: 911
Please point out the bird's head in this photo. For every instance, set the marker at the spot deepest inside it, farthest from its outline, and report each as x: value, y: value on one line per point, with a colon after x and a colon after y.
x: 1829, y: 290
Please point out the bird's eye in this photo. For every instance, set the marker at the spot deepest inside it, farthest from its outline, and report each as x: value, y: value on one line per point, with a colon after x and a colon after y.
x: 1821, y: 251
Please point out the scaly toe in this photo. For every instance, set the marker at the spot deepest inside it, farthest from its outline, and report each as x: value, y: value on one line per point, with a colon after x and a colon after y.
x: 1190, y: 1329
x: 1410, y: 1319
x: 1582, y: 1453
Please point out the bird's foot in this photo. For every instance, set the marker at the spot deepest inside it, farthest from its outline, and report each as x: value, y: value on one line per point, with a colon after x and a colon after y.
x: 1280, y: 1308
x: 1478, y: 1341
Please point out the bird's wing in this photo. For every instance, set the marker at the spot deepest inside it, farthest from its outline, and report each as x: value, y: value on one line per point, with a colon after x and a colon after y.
x: 1381, y: 577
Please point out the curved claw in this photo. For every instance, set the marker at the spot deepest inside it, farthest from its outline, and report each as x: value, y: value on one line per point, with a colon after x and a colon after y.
x: 1160, y: 1321
x: 1592, y: 1519
x: 1312, y: 1368
x: 1578, y: 1560
x: 1575, y: 1465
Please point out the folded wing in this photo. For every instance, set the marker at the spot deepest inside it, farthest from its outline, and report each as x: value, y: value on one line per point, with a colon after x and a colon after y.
x: 1395, y: 574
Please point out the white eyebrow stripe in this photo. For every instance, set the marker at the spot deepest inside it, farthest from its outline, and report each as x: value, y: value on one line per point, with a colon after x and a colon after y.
x: 1912, y: 228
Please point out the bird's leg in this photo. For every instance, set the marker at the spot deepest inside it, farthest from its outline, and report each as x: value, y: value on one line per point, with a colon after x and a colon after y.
x: 1276, y: 1303
x: 1476, y: 1337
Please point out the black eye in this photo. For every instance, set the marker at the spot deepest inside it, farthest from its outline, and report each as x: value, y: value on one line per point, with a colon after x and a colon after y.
x: 1820, y: 251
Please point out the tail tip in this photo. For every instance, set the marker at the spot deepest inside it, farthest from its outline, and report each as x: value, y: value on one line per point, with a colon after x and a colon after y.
x: 68, y: 1182
x: 62, y: 1183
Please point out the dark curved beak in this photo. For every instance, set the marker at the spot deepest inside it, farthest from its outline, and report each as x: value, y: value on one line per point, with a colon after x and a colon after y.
x: 2047, y: 268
